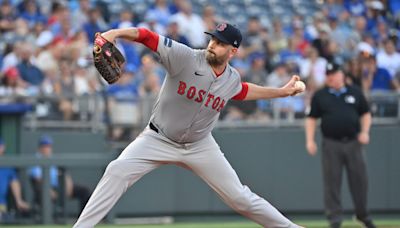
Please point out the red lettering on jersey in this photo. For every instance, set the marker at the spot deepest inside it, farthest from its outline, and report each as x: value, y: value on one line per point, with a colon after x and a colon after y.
x: 216, y: 102
x: 221, y: 105
x: 210, y: 96
x: 200, y: 97
x: 182, y: 88
x: 191, y: 92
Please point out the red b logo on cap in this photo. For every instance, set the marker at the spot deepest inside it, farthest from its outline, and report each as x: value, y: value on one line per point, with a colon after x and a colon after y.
x: 221, y: 27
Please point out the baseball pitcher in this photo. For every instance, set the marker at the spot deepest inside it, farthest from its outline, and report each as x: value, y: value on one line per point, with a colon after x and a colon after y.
x: 198, y: 85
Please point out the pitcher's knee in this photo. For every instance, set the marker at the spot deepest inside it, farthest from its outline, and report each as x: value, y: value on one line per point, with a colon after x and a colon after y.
x: 117, y: 168
x: 242, y: 203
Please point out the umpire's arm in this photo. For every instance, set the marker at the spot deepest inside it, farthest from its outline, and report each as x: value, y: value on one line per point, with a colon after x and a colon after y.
x: 310, y: 128
x: 365, y: 122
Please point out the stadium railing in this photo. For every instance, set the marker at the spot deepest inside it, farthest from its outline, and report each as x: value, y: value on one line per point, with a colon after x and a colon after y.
x: 93, y: 113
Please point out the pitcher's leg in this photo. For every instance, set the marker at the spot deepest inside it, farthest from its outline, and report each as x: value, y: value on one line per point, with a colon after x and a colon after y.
x: 140, y: 157
x: 215, y: 170
x: 112, y: 185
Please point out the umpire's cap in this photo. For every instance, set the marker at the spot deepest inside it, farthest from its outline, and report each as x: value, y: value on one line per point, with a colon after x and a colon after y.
x: 332, y: 67
x: 227, y: 33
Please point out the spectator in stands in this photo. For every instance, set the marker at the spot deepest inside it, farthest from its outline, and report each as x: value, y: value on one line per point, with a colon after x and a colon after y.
x: 65, y: 89
x: 31, y: 13
x: 250, y: 110
x: 72, y: 190
x: 278, y: 40
x: 333, y: 7
x: 374, y: 14
x: 257, y: 73
x: 150, y: 22
x: 358, y: 31
x: 63, y: 29
x: 9, y: 181
x: 95, y: 23
x: 149, y: 66
x: 7, y: 17
x: 59, y: 14
x: 339, y: 33
x: 81, y: 15
x: 299, y: 36
x: 394, y: 7
x: 21, y: 32
x: 322, y: 41
x: 336, y: 30
x: 11, y: 56
x: 312, y: 69
x: 289, y: 107
x: 12, y: 85
x: 125, y: 89
x: 375, y: 78
x: 126, y: 19
x: 190, y: 25
x: 278, y: 76
x: 174, y: 6
x: 28, y: 71
x: 173, y: 33
x: 291, y: 53
x: 210, y: 18
x: 161, y: 9
x: 389, y: 58
x: 346, y: 121
x: 311, y: 29
x: 123, y: 103
x: 50, y: 53
x: 252, y: 40
x: 356, y: 7
x: 380, y: 33
x: 83, y: 85
x: 150, y: 86
x: 353, y: 73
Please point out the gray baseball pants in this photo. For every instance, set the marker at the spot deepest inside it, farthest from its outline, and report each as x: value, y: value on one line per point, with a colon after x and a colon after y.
x: 150, y: 150
x: 336, y: 157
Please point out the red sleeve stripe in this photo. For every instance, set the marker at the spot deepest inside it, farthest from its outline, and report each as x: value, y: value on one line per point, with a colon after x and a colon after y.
x: 243, y: 93
x: 148, y: 38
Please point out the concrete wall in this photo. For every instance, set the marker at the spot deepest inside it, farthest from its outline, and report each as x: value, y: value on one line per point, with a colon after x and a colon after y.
x: 271, y: 161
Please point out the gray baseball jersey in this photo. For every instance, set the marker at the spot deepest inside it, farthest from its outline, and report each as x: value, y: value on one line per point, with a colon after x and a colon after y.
x: 187, y: 109
x: 192, y: 96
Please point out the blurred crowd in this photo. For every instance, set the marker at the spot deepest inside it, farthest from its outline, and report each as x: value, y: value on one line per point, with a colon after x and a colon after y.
x: 45, y: 50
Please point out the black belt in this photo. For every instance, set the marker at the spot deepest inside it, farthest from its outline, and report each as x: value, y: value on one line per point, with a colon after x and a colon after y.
x: 152, y: 127
x: 343, y: 139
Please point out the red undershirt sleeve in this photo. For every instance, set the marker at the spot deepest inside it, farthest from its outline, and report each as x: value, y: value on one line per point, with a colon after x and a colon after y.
x: 148, y: 38
x: 243, y: 93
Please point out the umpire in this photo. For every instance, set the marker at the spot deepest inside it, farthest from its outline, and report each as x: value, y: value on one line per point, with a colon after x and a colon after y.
x: 345, y: 124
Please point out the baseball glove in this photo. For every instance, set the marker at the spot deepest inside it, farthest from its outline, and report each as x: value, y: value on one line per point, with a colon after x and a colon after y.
x: 108, y: 60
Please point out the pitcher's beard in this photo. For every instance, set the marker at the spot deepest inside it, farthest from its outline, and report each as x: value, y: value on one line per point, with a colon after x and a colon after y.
x: 215, y: 61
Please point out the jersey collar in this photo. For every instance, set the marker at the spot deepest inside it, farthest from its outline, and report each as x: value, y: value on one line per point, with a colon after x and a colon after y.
x: 338, y: 92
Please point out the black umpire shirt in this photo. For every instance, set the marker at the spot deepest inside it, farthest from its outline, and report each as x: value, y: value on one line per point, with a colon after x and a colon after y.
x: 340, y: 111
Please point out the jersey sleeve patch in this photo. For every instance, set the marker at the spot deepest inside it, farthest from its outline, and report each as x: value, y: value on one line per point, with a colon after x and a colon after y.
x: 167, y: 42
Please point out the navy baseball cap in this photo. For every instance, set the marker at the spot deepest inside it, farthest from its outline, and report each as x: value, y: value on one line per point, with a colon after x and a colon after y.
x: 45, y: 140
x: 331, y: 68
x: 1, y: 141
x: 227, y: 33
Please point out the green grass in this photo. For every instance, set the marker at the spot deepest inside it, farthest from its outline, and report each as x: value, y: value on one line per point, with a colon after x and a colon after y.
x: 308, y: 224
